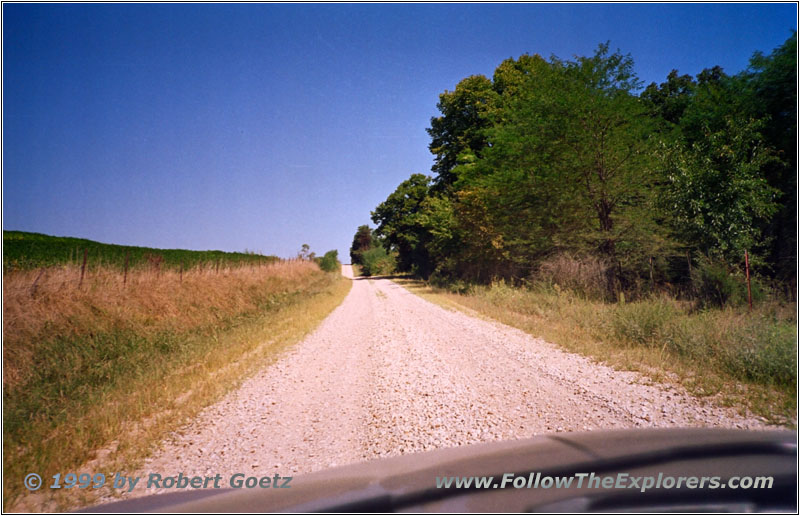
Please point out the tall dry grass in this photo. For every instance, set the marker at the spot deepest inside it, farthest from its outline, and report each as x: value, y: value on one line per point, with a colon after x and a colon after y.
x: 586, y: 276
x: 42, y: 304
x: 118, y: 365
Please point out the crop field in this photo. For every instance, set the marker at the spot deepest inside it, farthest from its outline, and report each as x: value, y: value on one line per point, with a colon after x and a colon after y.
x: 24, y: 251
x: 115, y: 359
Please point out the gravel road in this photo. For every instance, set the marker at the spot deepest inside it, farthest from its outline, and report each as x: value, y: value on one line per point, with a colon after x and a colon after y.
x: 388, y: 373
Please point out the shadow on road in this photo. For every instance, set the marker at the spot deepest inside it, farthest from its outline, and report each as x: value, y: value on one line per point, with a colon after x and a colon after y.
x: 389, y: 277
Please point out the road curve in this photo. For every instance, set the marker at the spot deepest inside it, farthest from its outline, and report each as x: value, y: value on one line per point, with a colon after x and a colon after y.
x: 388, y: 373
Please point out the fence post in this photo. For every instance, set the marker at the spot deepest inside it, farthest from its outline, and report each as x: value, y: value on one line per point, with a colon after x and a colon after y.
x: 747, y: 273
x: 83, y: 267
x: 38, y: 277
x: 125, y: 277
x: 181, y: 271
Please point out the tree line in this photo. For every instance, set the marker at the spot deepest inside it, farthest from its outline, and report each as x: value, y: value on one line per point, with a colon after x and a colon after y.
x: 553, y: 159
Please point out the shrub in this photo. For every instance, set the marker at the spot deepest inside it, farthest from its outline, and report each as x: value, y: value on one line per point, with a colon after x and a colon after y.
x: 745, y: 346
x: 330, y: 262
x: 716, y: 284
x: 762, y: 351
x: 586, y: 276
x: 444, y: 282
x: 376, y: 261
x: 644, y: 322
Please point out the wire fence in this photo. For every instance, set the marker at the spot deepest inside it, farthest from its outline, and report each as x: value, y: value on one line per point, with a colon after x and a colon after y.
x: 81, y: 275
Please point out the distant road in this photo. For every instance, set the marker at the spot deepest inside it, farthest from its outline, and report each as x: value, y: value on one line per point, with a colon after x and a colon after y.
x: 388, y: 373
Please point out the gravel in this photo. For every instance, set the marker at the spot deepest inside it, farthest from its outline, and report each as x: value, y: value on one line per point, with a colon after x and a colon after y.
x: 389, y: 373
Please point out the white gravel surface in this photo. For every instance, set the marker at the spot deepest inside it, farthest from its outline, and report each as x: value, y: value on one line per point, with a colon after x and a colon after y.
x: 388, y: 373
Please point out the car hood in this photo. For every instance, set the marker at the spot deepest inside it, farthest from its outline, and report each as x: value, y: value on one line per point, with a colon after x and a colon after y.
x: 408, y: 483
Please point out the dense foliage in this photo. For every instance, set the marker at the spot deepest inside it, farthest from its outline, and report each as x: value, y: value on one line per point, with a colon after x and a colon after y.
x: 362, y: 241
x: 330, y: 261
x: 377, y: 262
x: 554, y: 161
x: 369, y: 252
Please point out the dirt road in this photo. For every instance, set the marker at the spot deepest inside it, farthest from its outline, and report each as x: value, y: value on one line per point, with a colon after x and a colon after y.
x: 389, y: 373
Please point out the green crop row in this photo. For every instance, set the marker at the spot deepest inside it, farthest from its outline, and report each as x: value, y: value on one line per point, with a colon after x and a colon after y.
x: 24, y: 251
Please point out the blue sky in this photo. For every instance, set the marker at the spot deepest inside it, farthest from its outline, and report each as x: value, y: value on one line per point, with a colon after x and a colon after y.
x: 266, y: 126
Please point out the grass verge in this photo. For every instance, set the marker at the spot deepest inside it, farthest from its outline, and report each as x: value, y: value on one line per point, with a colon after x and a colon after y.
x: 95, y: 377
x: 745, y: 360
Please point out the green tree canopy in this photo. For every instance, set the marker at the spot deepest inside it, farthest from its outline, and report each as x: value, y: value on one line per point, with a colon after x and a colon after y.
x: 554, y: 156
x: 460, y: 126
x: 397, y: 220
x: 362, y: 241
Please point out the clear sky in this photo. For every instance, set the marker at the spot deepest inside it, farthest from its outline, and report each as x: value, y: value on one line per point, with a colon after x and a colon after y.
x: 266, y: 126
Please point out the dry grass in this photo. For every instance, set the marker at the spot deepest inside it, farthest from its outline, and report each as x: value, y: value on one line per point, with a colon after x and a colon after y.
x: 149, y: 303
x: 586, y: 275
x: 116, y: 367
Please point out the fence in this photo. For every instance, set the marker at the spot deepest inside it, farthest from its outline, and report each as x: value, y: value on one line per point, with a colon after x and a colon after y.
x: 81, y: 275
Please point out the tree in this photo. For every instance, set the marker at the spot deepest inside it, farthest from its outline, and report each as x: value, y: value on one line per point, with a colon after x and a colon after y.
x: 771, y: 94
x: 606, y: 130
x: 557, y: 156
x: 460, y: 127
x: 362, y: 241
x: 568, y: 163
x: 717, y: 193
x: 736, y: 146
x: 669, y: 100
x: 772, y: 91
x: 304, y: 253
x: 398, y: 223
